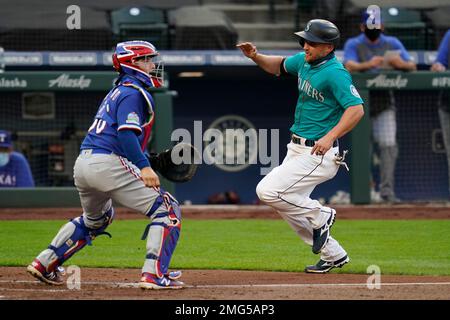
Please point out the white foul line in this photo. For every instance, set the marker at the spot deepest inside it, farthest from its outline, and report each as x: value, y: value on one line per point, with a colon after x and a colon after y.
x: 299, y: 285
x: 33, y: 290
x: 280, y: 285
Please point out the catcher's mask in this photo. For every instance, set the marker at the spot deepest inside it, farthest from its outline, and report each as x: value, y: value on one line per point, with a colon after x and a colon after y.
x: 128, y: 53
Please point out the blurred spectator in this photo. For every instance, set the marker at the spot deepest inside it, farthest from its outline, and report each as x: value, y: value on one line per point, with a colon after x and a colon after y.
x: 14, y: 168
x: 227, y: 197
x: 343, y: 13
x: 441, y: 64
x: 373, y: 51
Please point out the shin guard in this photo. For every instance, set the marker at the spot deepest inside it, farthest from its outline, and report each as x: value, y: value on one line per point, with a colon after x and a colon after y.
x: 73, y: 237
x: 163, y: 234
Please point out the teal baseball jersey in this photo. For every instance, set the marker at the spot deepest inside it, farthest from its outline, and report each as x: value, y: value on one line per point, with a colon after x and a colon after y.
x: 325, y: 92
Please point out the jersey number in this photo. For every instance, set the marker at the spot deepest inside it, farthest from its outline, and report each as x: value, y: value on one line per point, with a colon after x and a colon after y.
x: 99, y: 126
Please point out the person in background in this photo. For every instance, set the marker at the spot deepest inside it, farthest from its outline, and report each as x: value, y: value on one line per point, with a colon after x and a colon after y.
x: 373, y: 51
x: 441, y: 64
x: 14, y: 168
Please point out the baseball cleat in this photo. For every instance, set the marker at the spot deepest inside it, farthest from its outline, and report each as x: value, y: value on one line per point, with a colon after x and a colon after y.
x: 150, y: 281
x: 174, y: 275
x: 320, y: 235
x: 325, y: 266
x: 37, y: 270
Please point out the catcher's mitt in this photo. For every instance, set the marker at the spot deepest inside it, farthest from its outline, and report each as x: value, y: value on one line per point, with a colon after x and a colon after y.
x: 177, y: 163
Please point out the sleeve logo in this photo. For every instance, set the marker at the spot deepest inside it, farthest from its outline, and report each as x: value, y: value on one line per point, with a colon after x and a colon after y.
x: 133, y: 118
x: 354, y: 91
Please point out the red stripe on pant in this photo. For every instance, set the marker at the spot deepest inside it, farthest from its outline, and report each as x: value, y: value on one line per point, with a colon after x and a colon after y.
x: 129, y: 169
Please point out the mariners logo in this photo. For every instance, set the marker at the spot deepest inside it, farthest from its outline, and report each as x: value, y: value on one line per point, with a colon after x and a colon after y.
x: 354, y: 91
x: 307, y: 26
x: 237, y: 144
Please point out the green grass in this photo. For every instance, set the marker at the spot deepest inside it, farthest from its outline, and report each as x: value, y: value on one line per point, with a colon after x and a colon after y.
x: 420, y: 247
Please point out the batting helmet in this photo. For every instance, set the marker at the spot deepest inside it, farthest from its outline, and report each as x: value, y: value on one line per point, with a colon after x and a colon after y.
x: 319, y: 31
x: 124, y: 58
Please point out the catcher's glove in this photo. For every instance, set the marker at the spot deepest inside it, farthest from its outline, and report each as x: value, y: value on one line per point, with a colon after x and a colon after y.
x: 177, y: 163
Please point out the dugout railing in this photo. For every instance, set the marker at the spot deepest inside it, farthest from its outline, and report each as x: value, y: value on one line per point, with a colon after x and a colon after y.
x: 413, y: 82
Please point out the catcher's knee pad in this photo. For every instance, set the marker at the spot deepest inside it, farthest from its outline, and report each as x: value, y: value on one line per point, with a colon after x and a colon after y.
x: 97, y: 226
x: 165, y: 202
x: 74, y: 236
x: 163, y: 232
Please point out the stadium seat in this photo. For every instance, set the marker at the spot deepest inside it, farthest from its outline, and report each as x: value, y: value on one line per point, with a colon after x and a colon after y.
x: 407, y: 25
x: 198, y: 27
x: 131, y: 23
x: 439, y: 24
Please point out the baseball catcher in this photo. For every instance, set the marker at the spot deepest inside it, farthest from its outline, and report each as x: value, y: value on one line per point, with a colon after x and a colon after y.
x: 112, y: 166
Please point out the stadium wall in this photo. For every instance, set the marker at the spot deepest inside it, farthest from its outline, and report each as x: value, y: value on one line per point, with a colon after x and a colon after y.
x: 265, y: 102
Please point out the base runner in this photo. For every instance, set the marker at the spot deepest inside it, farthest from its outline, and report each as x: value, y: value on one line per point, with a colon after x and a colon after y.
x: 328, y: 107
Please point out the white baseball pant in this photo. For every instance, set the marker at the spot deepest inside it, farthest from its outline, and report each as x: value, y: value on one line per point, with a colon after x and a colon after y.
x: 287, y: 188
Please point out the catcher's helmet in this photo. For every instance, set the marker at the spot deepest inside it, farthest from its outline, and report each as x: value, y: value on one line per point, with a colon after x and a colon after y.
x: 319, y: 31
x: 126, y: 54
